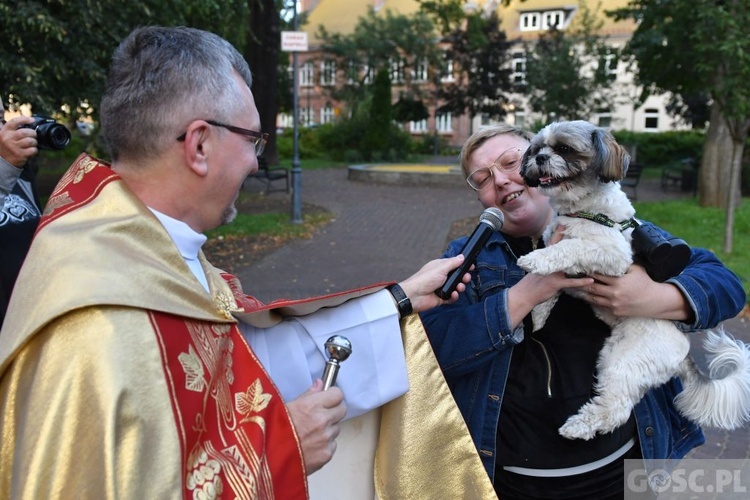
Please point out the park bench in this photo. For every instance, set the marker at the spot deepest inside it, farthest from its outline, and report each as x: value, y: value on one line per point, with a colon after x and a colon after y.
x: 632, y: 178
x: 269, y: 175
x: 683, y: 176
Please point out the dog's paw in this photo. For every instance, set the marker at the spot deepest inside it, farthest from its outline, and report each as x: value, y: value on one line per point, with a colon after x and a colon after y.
x: 576, y: 427
x: 530, y: 263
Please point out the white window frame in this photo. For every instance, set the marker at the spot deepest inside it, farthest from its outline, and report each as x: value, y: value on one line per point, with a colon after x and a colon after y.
x: 307, y: 74
x: 529, y: 21
x: 448, y: 76
x: 328, y: 72
x: 553, y: 15
x: 610, y: 60
x: 396, y: 68
x: 444, y: 123
x: 519, y: 119
x: 306, y: 116
x: 518, y: 68
x: 650, y: 114
x: 421, y: 71
x: 604, y: 119
x: 419, y: 127
x: 327, y: 114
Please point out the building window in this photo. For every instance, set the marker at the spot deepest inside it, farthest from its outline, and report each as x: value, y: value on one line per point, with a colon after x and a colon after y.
x: 519, y: 119
x: 306, y: 116
x: 651, y: 121
x: 419, y: 127
x: 306, y: 74
x: 447, y: 75
x: 604, y: 118
x: 553, y: 19
x: 328, y: 72
x: 518, y: 68
x: 367, y: 74
x: 326, y: 114
x: 397, y: 70
x: 530, y: 21
x: 609, y: 63
x: 285, y: 120
x: 444, y: 123
x: 421, y: 72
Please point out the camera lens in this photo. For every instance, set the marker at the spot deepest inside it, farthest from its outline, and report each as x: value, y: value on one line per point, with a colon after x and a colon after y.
x: 52, y: 136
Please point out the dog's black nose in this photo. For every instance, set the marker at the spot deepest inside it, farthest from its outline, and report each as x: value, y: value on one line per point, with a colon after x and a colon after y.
x: 541, y: 159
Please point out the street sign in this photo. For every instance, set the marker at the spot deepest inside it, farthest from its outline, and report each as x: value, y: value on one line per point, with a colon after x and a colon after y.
x: 294, y: 41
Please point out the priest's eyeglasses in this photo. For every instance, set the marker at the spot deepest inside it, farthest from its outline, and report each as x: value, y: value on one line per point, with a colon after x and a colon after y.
x: 509, y: 161
x: 259, y: 139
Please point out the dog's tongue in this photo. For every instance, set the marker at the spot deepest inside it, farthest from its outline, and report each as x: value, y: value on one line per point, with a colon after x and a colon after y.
x: 545, y: 180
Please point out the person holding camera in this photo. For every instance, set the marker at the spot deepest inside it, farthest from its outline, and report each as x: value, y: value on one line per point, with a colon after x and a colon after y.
x: 19, y: 202
x: 516, y: 387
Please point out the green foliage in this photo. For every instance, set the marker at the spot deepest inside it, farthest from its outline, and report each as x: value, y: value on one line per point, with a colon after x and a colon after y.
x: 379, y: 41
x: 662, y: 149
x: 481, y: 54
x: 376, y: 136
x: 55, y: 55
x: 691, y: 47
x: 704, y: 227
x: 308, y: 142
x: 557, y: 82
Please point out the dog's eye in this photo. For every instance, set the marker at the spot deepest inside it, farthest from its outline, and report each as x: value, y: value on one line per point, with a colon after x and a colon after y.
x: 563, y: 149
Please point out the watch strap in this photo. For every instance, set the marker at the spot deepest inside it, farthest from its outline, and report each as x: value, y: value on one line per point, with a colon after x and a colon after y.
x: 403, y: 304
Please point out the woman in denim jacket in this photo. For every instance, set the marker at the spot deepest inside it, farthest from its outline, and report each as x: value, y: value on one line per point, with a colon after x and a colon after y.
x: 515, y: 388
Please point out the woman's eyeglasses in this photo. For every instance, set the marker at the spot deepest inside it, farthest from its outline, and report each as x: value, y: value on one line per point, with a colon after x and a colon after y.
x: 509, y: 161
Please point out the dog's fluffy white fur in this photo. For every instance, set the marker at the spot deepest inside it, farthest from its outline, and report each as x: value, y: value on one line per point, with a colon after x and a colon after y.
x: 579, y: 167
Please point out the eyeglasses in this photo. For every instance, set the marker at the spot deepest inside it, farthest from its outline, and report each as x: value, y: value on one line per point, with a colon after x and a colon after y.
x: 508, y: 161
x: 259, y: 139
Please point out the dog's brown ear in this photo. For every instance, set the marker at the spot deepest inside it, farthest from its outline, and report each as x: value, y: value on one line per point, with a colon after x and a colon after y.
x: 612, y: 158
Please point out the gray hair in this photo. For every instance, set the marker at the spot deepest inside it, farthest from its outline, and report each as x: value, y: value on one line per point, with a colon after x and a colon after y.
x: 161, y: 79
x: 482, y: 135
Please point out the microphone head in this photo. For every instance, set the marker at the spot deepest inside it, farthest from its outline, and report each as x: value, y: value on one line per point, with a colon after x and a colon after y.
x: 493, y: 217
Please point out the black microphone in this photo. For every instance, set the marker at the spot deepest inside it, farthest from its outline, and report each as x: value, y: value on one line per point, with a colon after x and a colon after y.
x: 490, y: 221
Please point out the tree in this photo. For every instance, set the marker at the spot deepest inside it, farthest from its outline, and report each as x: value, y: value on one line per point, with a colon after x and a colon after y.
x: 480, y: 53
x: 262, y: 47
x: 400, y: 44
x: 689, y: 47
x: 566, y: 75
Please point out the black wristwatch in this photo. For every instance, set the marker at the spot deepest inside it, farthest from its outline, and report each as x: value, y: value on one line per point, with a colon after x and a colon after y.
x: 403, y: 304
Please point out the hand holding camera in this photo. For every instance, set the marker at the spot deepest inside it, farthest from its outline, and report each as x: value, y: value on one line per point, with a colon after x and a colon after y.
x: 49, y: 134
x: 21, y: 138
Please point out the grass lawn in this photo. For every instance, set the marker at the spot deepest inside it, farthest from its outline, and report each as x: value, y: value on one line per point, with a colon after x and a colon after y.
x: 704, y: 227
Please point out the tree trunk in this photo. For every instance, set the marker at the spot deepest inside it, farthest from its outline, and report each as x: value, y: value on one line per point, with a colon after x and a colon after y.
x: 716, y: 164
x: 262, y: 53
x: 739, y: 129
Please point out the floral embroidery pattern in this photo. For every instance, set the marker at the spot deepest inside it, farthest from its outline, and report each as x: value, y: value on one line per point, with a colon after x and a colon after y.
x: 194, y: 375
x: 254, y: 400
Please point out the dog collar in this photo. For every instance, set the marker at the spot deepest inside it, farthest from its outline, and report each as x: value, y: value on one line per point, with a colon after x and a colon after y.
x: 603, y: 220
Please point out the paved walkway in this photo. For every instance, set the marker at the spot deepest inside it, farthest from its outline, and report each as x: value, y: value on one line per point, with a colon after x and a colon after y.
x: 386, y: 233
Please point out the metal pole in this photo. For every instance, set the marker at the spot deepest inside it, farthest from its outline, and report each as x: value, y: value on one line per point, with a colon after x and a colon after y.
x: 296, y: 170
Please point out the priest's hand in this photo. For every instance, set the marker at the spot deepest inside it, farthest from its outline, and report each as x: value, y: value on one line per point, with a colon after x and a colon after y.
x: 420, y: 287
x: 316, y: 416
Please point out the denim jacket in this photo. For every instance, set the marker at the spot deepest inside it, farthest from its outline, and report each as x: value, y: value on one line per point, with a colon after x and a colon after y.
x: 473, y: 341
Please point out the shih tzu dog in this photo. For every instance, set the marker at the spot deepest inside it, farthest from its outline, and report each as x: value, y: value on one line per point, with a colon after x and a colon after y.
x: 579, y: 166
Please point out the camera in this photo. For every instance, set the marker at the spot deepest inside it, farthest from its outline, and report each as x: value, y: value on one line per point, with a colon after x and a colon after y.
x: 663, y: 258
x: 49, y: 134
